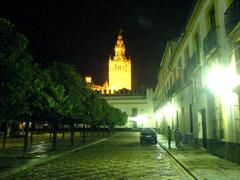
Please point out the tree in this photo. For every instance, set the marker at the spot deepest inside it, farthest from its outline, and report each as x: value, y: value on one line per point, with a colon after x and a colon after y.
x: 17, y: 71
x: 68, y: 77
x: 57, y: 102
x: 115, y: 117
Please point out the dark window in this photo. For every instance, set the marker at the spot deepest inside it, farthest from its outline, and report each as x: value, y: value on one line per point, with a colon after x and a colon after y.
x: 180, y: 69
x: 134, y: 112
x: 191, y: 118
x: 210, y: 41
x: 237, y: 58
x: 177, y: 118
x: 186, y: 54
x: 212, y: 18
x: 196, y: 42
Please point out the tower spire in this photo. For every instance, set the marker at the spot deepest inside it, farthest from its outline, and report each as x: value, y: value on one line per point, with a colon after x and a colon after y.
x: 119, y: 67
x: 119, y: 47
x: 120, y: 32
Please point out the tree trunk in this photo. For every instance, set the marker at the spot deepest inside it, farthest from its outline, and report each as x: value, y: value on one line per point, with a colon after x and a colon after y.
x: 84, y: 135
x: 103, y: 133
x: 26, y: 136
x: 63, y: 132
x: 72, y: 133
x: 50, y: 131
x: 92, y: 129
x: 32, y: 128
x: 50, y: 135
x: 109, y: 130
x: 4, y: 135
x: 113, y: 130
x: 98, y: 131
x: 54, y: 136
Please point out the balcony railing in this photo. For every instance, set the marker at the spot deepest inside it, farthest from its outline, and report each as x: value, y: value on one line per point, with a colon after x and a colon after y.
x: 209, y: 42
x: 194, y: 61
x: 191, y: 65
x: 232, y: 16
x: 186, y: 75
x: 174, y: 88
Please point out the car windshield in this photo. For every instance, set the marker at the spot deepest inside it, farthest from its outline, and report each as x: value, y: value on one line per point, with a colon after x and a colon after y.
x: 147, y: 131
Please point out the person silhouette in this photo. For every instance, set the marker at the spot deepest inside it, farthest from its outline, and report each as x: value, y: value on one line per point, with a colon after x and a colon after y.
x: 178, y: 137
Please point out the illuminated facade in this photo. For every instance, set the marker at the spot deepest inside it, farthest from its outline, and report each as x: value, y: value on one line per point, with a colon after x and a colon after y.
x: 138, y: 105
x: 104, y: 89
x: 198, y: 86
x: 119, y: 71
x: 119, y: 68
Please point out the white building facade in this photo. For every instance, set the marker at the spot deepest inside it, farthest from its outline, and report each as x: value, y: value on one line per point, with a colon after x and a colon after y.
x: 198, y: 80
x: 138, y: 106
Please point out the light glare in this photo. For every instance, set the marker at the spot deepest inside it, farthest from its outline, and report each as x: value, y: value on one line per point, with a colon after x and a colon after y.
x: 222, y: 80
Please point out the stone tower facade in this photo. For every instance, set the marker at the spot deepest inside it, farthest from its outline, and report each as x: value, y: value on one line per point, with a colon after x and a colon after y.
x: 119, y: 67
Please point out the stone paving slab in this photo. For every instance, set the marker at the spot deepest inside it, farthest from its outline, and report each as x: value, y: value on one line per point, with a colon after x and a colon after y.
x: 201, y: 164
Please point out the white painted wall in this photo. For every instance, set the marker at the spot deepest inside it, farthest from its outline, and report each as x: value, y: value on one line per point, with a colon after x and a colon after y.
x: 144, y: 105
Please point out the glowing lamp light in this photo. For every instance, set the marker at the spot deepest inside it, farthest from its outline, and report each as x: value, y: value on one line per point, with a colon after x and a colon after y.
x: 142, y: 119
x: 158, y: 116
x: 169, y: 109
x: 222, y: 80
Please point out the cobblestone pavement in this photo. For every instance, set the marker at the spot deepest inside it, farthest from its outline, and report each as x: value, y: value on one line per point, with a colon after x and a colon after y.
x: 201, y: 164
x: 12, y: 161
x: 120, y: 157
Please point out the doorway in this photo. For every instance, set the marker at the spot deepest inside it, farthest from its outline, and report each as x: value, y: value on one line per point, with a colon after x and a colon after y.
x: 204, y: 127
x: 134, y: 124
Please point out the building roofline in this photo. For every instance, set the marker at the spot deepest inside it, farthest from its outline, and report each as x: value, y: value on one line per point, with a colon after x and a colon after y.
x: 194, y: 9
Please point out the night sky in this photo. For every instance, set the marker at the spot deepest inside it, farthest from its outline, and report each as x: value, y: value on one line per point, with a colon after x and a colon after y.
x: 84, y: 33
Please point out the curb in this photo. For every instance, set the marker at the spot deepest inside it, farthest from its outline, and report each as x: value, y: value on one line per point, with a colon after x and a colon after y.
x: 194, y: 176
x: 35, y: 162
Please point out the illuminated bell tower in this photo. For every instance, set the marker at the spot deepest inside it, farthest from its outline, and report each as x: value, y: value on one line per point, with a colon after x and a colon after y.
x: 119, y: 67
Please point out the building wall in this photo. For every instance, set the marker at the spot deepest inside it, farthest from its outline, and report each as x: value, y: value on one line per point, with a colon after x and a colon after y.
x: 139, y: 108
x: 190, y: 93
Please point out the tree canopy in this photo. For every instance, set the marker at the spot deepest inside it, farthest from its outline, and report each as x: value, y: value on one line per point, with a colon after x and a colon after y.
x: 56, y: 94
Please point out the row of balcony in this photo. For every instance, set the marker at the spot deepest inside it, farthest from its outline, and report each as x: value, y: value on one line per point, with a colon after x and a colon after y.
x: 209, y: 42
x: 176, y: 86
x: 232, y: 16
x: 192, y: 64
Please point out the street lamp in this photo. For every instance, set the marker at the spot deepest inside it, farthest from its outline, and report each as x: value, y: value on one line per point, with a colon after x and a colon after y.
x: 158, y: 116
x: 222, y: 80
x: 141, y: 119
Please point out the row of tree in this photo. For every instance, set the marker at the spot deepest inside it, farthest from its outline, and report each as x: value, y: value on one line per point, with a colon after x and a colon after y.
x: 56, y: 95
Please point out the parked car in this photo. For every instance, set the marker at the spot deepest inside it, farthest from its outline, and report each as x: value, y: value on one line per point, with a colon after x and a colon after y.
x: 148, y: 135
